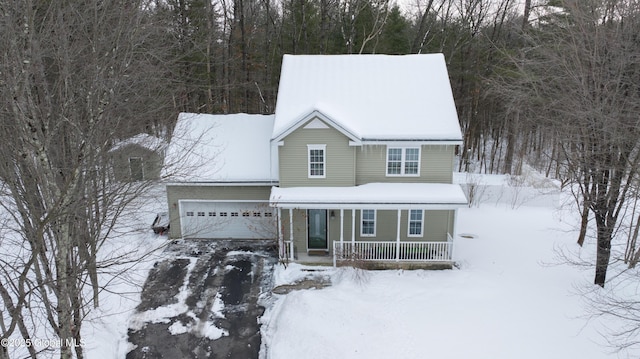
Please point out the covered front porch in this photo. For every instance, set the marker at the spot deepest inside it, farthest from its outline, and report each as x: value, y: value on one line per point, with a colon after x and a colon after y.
x: 383, y: 223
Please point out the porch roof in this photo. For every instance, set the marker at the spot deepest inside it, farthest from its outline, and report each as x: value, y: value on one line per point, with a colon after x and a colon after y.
x: 371, y: 196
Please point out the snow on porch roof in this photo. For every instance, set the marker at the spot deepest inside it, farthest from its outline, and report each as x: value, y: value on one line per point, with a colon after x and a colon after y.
x: 376, y: 97
x: 372, y: 196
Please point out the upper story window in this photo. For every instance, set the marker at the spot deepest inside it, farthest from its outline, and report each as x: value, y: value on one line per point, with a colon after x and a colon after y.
x: 403, y: 161
x: 368, y: 223
x: 317, y: 161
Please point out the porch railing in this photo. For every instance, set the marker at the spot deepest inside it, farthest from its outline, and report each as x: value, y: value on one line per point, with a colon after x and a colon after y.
x: 393, y: 251
x: 287, y: 251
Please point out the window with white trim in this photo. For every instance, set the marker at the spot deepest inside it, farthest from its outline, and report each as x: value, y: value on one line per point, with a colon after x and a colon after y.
x: 403, y: 161
x: 416, y: 222
x: 317, y: 161
x: 368, y: 222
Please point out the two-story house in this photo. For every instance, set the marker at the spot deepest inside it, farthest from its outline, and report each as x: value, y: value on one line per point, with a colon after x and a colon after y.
x: 356, y: 163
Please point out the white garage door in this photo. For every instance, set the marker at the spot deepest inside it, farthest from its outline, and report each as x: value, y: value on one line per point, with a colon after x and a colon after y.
x: 240, y: 220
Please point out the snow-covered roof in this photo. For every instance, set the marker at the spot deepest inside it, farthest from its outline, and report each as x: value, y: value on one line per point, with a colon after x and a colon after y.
x: 372, y: 195
x: 144, y: 140
x: 375, y: 97
x: 222, y: 148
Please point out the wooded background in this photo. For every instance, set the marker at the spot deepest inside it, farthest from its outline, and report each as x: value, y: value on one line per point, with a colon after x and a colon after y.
x: 550, y: 84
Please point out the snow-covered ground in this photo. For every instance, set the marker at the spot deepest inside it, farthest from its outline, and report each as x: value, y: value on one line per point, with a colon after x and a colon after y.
x: 136, y: 248
x: 125, y: 259
x: 512, y: 296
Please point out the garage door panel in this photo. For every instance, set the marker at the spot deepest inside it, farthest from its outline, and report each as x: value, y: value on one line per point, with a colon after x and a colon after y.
x: 227, y: 220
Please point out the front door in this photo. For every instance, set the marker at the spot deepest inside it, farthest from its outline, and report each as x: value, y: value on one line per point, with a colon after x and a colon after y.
x: 317, y: 229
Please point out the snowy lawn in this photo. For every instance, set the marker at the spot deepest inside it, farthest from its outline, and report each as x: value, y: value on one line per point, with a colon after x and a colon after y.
x: 511, y: 297
x: 135, y: 248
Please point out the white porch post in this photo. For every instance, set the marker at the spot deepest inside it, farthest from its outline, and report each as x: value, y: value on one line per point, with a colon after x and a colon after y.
x: 283, y: 252
x: 353, y: 231
x: 398, y: 237
x: 291, y: 254
x: 339, y: 252
x: 341, y: 226
x: 453, y: 235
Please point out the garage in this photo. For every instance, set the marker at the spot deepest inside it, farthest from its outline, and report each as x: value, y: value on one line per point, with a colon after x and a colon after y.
x: 225, y: 219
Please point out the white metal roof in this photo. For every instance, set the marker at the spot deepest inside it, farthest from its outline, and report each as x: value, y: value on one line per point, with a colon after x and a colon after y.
x: 222, y: 148
x: 372, y: 196
x: 375, y: 97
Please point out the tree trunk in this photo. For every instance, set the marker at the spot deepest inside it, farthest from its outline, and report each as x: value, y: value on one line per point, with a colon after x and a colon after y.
x: 603, y: 254
x: 65, y: 313
x: 584, y: 223
x: 416, y: 46
x: 527, y: 12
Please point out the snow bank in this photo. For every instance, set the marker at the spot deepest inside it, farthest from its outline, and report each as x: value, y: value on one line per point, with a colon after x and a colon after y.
x: 530, y: 189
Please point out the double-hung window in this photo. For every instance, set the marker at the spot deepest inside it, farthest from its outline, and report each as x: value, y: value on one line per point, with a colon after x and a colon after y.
x: 368, y: 222
x: 416, y: 222
x: 403, y: 161
x: 317, y: 161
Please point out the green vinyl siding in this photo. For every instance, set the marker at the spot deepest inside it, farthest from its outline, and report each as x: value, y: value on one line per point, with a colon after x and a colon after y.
x: 339, y: 158
x: 385, y: 226
x: 334, y: 226
x: 175, y: 193
x: 437, y: 224
x: 436, y: 165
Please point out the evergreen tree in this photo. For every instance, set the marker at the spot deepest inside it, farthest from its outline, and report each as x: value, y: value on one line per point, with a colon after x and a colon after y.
x: 395, y: 35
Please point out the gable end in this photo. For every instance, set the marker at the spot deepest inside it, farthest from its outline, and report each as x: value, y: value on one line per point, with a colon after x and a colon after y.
x: 316, y: 124
x: 315, y: 119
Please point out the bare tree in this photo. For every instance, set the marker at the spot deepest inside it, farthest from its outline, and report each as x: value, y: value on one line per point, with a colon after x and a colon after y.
x: 361, y: 22
x: 578, y: 79
x: 75, y: 76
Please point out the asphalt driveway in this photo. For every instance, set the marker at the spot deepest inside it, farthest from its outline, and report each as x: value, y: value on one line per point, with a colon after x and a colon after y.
x: 203, y: 301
